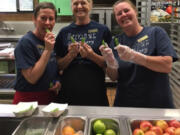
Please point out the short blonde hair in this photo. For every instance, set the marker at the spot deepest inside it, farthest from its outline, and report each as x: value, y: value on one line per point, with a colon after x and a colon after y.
x: 127, y: 1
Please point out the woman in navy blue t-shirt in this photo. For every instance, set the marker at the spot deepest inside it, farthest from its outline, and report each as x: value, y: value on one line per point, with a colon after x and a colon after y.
x: 37, y: 71
x: 145, y: 56
x: 83, y: 78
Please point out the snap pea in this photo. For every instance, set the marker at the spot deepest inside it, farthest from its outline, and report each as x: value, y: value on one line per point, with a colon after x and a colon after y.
x: 55, y: 110
x: 72, y: 40
x: 116, y: 41
x: 83, y: 40
x: 47, y: 30
x: 103, y: 43
x: 50, y: 84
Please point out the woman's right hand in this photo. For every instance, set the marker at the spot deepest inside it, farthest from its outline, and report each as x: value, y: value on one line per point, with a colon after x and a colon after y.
x: 49, y: 41
x: 73, y: 49
x: 108, y: 56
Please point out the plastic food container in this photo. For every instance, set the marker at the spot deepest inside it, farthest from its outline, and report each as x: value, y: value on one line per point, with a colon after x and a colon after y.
x: 77, y: 123
x: 33, y: 126
x: 110, y: 123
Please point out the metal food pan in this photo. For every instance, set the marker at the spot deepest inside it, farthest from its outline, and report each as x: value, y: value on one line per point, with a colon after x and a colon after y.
x: 111, y: 123
x: 78, y: 123
x: 133, y: 123
x: 33, y: 126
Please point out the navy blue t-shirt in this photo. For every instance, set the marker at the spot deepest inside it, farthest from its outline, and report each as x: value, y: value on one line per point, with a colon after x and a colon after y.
x: 83, y: 79
x: 27, y: 52
x: 137, y: 85
x: 93, y: 33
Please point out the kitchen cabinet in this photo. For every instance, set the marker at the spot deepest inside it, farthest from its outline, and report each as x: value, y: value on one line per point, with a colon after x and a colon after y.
x: 63, y: 6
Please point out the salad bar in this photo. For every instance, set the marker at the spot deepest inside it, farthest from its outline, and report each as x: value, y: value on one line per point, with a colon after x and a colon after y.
x: 88, y: 120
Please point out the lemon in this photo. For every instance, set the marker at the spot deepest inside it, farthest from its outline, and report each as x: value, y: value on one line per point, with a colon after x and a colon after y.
x: 99, y: 127
x: 110, y: 132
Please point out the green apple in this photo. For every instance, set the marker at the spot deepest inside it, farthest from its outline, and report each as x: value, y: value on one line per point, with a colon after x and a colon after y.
x: 110, y: 132
x: 99, y: 127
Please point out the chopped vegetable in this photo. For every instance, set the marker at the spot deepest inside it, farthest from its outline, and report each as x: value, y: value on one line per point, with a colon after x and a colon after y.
x: 72, y: 40
x: 83, y: 40
x: 50, y: 84
x: 103, y: 43
x: 55, y: 110
x: 116, y: 41
x: 26, y: 110
x: 47, y: 30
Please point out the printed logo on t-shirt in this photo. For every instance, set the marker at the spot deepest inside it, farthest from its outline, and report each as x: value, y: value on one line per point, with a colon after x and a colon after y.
x: 89, y: 37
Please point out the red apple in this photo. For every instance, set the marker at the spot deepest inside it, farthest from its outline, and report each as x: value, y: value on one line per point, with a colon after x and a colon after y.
x: 177, y: 131
x: 162, y: 124
x: 170, y: 130
x: 145, y: 125
x: 166, y: 134
x: 150, y: 133
x: 157, y: 130
x: 174, y: 123
x: 138, y: 131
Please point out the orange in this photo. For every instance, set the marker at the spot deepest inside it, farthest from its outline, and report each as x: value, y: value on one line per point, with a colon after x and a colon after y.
x: 68, y: 130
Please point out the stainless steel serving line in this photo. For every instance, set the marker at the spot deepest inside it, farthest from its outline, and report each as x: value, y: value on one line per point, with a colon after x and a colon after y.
x: 89, y: 112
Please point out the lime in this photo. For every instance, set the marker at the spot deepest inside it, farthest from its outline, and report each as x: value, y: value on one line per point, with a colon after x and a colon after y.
x: 110, y: 132
x: 99, y: 127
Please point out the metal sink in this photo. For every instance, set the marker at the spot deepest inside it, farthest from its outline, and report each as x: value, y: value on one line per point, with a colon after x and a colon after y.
x: 8, y: 125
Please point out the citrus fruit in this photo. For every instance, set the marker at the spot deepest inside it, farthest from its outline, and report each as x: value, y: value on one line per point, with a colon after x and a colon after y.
x: 110, y: 132
x: 68, y: 130
x: 99, y: 127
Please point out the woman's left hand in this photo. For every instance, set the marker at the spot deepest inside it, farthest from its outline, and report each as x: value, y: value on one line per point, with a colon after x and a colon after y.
x: 85, y: 50
x: 56, y: 87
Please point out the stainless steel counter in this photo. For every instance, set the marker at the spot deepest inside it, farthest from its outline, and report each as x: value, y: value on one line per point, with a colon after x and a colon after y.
x: 119, y: 111
x: 105, y: 111
x: 95, y: 112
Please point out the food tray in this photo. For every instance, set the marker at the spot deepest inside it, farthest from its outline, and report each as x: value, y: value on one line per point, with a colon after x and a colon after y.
x: 133, y: 123
x: 78, y: 123
x: 111, y: 123
x: 33, y: 126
